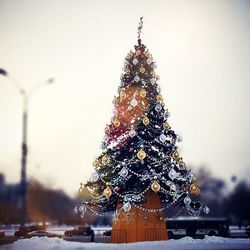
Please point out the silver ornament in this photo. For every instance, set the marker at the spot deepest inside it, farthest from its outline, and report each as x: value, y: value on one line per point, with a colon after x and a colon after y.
x: 153, y: 65
x: 179, y: 138
x: 126, y: 63
x: 75, y: 210
x: 187, y: 200
x: 126, y: 206
x: 137, y: 78
x: 152, y: 81
x: 132, y: 133
x: 149, y: 61
x: 206, y: 209
x: 82, y: 209
x: 123, y: 172
x: 172, y: 174
x: 94, y: 177
x: 135, y: 61
x: 167, y: 114
x: 158, y: 107
x: 133, y: 102
x: 163, y: 138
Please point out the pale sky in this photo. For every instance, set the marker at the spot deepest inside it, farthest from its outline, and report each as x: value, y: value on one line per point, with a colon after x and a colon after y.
x: 202, y: 52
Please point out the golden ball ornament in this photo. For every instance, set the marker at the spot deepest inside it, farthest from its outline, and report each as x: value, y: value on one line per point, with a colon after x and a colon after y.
x: 107, y: 130
x: 175, y: 155
x: 116, y: 122
x: 127, y: 71
x: 143, y: 93
x: 81, y: 189
x: 182, y: 164
x: 141, y: 154
x: 96, y: 164
x: 129, y: 55
x: 194, y: 189
x: 107, y: 192
x: 145, y: 121
x: 105, y: 159
x: 155, y: 186
x: 142, y: 70
x: 159, y: 98
x: 166, y: 125
x: 122, y: 96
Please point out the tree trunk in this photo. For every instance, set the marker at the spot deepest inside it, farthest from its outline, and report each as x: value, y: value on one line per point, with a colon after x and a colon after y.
x: 137, y: 225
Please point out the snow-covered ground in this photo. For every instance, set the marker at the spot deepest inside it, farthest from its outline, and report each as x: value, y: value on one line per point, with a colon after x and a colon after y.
x: 187, y: 243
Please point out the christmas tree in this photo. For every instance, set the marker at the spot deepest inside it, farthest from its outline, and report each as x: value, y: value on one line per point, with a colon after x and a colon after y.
x: 139, y: 150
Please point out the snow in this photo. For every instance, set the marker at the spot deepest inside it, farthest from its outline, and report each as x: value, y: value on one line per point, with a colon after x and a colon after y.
x: 187, y: 243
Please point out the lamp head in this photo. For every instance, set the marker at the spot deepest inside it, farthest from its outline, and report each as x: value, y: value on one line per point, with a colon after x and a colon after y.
x: 3, y: 72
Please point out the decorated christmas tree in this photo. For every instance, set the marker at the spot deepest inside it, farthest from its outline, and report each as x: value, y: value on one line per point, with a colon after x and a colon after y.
x: 140, y: 172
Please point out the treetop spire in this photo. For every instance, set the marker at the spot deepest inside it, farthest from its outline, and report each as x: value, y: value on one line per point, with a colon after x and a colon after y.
x: 140, y: 26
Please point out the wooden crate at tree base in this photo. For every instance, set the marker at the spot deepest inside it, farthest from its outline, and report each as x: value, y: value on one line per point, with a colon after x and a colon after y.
x: 137, y: 225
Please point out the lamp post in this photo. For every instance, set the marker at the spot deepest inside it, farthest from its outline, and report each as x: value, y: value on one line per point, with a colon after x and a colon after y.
x: 26, y: 95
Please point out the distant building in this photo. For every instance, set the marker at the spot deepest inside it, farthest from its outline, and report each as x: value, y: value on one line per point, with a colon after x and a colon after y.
x: 9, y: 192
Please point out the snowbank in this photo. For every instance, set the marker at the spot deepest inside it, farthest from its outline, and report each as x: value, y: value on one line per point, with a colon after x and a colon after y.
x: 187, y: 243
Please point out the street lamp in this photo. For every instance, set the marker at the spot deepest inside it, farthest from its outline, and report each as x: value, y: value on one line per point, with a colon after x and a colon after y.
x: 26, y: 95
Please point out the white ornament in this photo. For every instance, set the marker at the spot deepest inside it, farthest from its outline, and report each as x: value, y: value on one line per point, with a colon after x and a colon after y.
x: 149, y: 61
x: 179, y: 138
x: 172, y: 174
x: 94, y: 177
x: 158, y: 107
x: 152, y: 81
x: 133, y: 102
x: 123, y: 172
x: 75, y: 210
x: 126, y: 206
x: 187, y: 200
x: 167, y: 114
x: 132, y: 133
x: 163, y: 138
x: 126, y: 63
x: 153, y: 65
x: 135, y: 61
x: 173, y: 187
x: 82, y: 209
x: 137, y: 78
x: 206, y: 209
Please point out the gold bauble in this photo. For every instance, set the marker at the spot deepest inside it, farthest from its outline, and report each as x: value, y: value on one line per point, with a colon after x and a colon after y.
x: 145, y: 121
x: 194, y: 189
x: 166, y: 125
x: 143, y: 93
x: 182, y: 164
x: 127, y: 71
x: 122, y: 96
x: 81, y: 189
x: 157, y: 78
x: 159, y: 98
x: 129, y: 55
x: 107, y: 130
x: 155, y: 186
x: 96, y: 164
x: 116, y: 122
x: 107, y: 192
x: 141, y: 154
x: 175, y: 155
x: 105, y: 159
x: 142, y: 70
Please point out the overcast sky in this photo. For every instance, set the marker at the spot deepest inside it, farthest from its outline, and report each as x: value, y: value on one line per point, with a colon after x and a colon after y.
x: 202, y: 52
